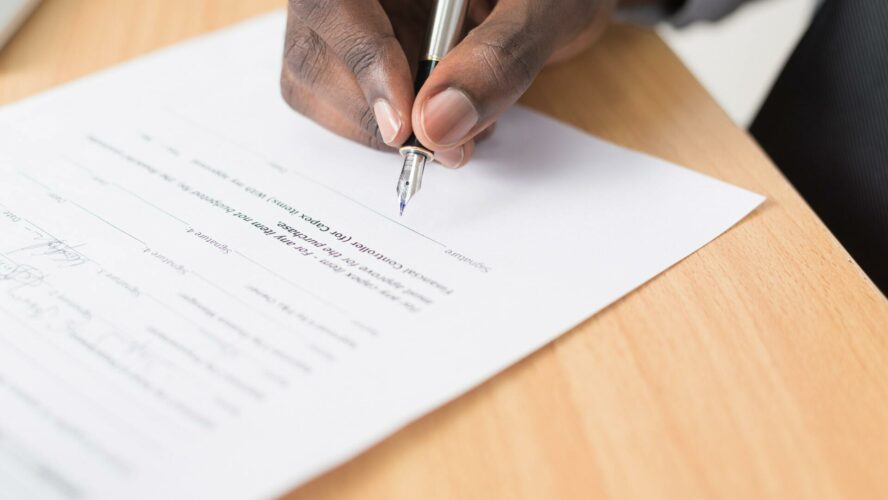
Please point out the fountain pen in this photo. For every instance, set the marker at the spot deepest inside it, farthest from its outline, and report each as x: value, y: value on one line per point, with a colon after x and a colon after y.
x: 445, y: 26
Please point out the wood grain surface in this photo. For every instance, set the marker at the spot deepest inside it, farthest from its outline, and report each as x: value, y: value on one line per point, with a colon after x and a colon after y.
x: 755, y: 368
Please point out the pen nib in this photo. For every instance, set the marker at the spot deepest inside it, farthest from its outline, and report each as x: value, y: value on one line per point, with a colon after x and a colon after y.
x: 411, y: 177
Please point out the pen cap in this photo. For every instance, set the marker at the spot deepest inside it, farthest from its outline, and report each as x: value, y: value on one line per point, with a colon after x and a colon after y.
x: 445, y: 27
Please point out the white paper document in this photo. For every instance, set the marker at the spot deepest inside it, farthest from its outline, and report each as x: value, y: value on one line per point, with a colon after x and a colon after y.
x: 205, y: 295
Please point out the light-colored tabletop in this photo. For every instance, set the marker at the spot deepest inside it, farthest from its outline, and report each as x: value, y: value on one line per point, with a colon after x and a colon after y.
x: 757, y: 367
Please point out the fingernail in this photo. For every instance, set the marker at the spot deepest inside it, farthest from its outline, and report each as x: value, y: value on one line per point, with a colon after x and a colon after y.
x: 387, y: 120
x: 451, y: 158
x: 448, y: 116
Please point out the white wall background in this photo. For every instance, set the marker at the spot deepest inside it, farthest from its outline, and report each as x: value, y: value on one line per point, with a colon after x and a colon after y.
x: 739, y: 58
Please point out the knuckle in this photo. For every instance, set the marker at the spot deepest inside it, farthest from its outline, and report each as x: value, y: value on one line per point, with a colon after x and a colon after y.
x: 507, y: 57
x: 367, y: 121
x: 304, y: 54
x: 363, y: 52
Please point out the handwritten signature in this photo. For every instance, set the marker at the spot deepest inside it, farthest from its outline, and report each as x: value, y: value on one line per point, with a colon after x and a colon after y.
x: 22, y: 275
x: 56, y: 249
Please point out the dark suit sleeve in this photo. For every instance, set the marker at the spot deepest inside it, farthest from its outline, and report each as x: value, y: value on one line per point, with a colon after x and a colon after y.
x: 679, y: 12
x: 703, y: 10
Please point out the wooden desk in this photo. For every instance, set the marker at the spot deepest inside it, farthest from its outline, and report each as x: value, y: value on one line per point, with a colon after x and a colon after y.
x: 757, y: 367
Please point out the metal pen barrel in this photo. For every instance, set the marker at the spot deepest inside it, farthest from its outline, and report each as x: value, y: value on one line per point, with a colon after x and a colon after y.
x: 445, y: 27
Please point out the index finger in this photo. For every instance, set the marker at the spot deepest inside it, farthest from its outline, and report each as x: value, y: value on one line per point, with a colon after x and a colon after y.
x: 360, y: 34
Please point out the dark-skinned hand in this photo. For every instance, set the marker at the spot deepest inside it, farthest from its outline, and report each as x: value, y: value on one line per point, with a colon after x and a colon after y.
x: 349, y: 65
